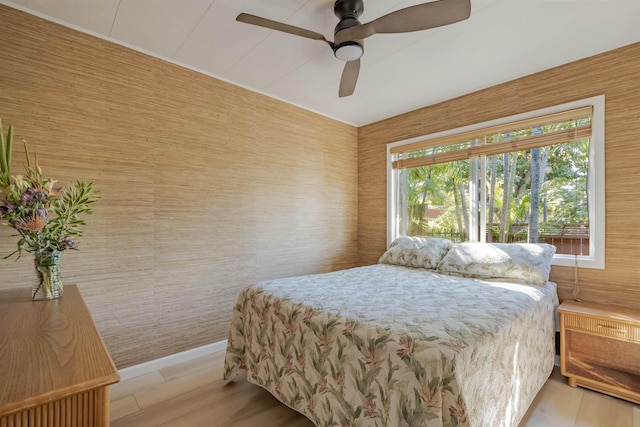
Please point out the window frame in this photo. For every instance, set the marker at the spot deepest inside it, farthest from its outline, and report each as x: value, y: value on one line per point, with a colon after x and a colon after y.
x: 595, y: 188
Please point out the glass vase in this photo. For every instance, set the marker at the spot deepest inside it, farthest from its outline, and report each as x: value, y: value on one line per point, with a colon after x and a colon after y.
x: 47, y: 285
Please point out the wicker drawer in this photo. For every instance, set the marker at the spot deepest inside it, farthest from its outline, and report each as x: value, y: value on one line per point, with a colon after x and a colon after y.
x: 605, y: 328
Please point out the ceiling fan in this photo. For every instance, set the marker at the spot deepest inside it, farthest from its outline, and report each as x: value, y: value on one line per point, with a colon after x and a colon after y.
x: 349, y: 33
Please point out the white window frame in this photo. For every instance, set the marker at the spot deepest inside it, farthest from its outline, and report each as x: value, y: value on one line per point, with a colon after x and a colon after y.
x: 595, y: 189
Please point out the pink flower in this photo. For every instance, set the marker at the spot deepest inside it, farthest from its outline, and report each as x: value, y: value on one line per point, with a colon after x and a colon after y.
x: 289, y: 327
x: 370, y: 357
x: 349, y: 326
x: 324, y: 339
x: 276, y: 308
x: 456, y: 345
x: 458, y: 411
x: 263, y: 318
x: 307, y: 316
x: 34, y: 223
x: 406, y: 348
x: 430, y: 396
x: 289, y: 368
x: 370, y: 410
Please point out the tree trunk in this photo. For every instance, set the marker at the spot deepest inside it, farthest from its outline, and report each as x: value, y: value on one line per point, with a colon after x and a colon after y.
x: 465, y: 212
x: 456, y: 200
x: 423, y: 222
x: 512, y: 192
x: 544, y: 159
x: 534, y: 205
x: 505, y: 197
x: 492, y: 196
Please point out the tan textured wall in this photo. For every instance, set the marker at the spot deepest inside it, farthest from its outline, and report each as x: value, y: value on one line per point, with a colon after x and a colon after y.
x: 616, y: 74
x: 206, y: 187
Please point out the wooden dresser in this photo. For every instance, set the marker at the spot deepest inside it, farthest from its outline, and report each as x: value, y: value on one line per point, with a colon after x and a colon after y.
x: 54, y: 368
x: 600, y: 348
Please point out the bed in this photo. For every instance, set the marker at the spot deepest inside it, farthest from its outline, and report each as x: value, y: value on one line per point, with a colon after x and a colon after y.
x: 436, y: 334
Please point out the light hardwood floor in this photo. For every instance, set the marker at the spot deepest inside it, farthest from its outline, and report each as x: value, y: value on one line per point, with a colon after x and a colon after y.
x: 193, y: 394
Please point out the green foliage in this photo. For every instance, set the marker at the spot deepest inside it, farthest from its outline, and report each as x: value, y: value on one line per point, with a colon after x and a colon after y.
x: 432, y: 188
x: 46, y: 218
x: 5, y: 156
x: 435, y: 203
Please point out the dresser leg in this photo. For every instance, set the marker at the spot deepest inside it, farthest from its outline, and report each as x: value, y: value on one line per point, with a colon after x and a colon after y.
x: 572, y: 382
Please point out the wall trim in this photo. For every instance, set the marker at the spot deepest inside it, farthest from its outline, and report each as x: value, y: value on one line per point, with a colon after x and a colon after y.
x: 172, y: 359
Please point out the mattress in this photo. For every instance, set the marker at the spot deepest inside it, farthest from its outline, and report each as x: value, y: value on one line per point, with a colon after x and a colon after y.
x: 388, y: 345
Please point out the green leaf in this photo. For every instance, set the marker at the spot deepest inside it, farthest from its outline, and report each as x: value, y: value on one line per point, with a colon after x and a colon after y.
x: 5, y: 156
x: 9, y: 149
x: 3, y: 153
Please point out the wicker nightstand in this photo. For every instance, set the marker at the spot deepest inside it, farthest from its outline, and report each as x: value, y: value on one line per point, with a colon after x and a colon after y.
x: 600, y: 348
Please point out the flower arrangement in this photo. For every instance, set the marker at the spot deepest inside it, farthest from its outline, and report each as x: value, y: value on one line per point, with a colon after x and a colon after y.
x: 46, y: 218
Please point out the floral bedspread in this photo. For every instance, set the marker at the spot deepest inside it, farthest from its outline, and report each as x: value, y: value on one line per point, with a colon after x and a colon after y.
x: 387, y: 345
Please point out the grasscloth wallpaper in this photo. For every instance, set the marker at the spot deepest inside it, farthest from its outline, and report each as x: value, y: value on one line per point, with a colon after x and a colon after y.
x: 616, y: 74
x: 206, y: 187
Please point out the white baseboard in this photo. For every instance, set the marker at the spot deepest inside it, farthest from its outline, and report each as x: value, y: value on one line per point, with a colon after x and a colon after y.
x: 185, y: 356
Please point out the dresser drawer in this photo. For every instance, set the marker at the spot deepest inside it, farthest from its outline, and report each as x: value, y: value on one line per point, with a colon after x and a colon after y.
x: 605, y: 328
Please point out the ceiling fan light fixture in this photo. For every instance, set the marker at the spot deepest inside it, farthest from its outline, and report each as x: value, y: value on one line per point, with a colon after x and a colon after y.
x: 348, y: 51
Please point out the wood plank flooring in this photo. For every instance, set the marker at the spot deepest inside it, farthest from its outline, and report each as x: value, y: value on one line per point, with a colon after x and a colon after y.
x: 193, y: 394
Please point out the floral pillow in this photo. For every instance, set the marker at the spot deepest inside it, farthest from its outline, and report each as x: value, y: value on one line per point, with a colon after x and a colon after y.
x: 529, y: 262
x: 424, y: 252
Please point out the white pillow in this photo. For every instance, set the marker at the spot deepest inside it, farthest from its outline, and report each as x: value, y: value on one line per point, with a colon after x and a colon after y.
x: 424, y: 252
x: 530, y: 262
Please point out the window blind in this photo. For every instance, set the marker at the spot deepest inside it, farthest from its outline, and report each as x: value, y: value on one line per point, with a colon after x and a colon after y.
x: 474, y: 142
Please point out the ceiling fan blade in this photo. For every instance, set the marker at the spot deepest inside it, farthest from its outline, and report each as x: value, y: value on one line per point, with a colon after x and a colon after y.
x: 414, y: 18
x: 349, y: 78
x: 279, y: 26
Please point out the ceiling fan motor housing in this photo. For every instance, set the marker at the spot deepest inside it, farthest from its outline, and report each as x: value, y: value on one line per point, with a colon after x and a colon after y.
x: 348, y: 12
x: 345, y: 8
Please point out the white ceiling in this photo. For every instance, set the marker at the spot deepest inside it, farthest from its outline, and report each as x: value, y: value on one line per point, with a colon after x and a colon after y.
x: 501, y: 41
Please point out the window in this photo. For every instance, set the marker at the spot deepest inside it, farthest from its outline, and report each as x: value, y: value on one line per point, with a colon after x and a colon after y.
x: 534, y: 177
